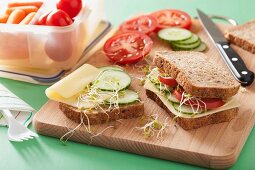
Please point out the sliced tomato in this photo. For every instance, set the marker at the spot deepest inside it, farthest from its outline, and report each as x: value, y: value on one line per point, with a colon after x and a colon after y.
x: 143, y: 24
x: 127, y: 48
x: 171, y: 82
x: 208, y: 103
x: 172, y: 18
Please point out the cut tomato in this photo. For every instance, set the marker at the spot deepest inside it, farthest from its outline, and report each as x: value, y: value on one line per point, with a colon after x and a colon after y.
x: 127, y: 48
x: 143, y: 24
x: 169, y: 81
x: 172, y: 18
x: 208, y: 103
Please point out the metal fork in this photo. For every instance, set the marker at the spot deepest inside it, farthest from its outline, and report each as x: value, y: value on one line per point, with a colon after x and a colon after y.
x: 17, y: 132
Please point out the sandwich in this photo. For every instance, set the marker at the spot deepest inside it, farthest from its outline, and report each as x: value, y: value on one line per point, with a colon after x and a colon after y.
x: 243, y: 36
x: 194, y: 91
x: 96, y: 95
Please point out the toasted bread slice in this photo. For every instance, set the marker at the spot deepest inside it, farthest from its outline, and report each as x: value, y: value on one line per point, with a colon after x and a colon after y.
x: 196, y: 75
x: 127, y: 111
x: 194, y: 123
x: 243, y: 36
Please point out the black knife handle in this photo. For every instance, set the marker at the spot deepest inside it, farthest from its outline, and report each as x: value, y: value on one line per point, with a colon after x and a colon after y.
x: 235, y: 64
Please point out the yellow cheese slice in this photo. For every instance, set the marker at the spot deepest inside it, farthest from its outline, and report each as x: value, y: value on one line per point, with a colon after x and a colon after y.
x: 231, y: 103
x: 67, y: 90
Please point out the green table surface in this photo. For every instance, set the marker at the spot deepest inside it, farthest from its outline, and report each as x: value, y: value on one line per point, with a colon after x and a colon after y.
x: 49, y: 153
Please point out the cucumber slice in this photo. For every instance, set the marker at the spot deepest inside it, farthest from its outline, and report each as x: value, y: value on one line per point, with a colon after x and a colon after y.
x: 202, y: 47
x: 153, y: 76
x: 186, y: 109
x: 172, y: 98
x: 112, y: 80
x: 110, y: 68
x: 193, y: 39
x: 174, y: 34
x: 186, y: 47
x: 163, y: 88
x: 124, y: 97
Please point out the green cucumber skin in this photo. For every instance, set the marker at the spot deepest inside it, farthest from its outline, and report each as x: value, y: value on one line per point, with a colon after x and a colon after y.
x: 127, y: 100
x: 172, y: 99
x: 166, y: 93
x: 163, y: 88
x: 153, y: 77
x: 186, y: 47
x: 192, y: 40
x: 123, y: 88
x: 176, y: 105
x: 201, y: 48
x: 190, y: 43
x: 164, y: 37
x: 110, y: 68
x: 198, y: 49
x: 176, y: 108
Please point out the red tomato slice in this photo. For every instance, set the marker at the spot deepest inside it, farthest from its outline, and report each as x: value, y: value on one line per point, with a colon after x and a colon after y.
x: 58, y: 18
x: 171, y: 82
x: 208, y: 103
x: 143, y: 24
x: 127, y: 48
x: 71, y: 7
x: 172, y: 18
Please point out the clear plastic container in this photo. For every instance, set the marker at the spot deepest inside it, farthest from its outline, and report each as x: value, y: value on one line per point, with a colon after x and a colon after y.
x: 47, y: 47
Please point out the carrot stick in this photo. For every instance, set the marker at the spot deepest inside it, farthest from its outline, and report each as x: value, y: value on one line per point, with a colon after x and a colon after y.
x: 37, y: 4
x: 26, y: 9
x: 28, y: 18
x: 16, y: 16
x: 4, y: 18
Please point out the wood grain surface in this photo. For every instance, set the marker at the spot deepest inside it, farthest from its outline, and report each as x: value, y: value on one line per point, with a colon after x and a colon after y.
x: 214, y: 146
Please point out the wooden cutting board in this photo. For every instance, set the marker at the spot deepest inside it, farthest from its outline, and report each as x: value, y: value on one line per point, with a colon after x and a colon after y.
x: 214, y: 146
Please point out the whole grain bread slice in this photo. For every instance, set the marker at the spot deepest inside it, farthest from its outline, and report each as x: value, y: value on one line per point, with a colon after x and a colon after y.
x: 197, y: 76
x: 127, y: 111
x: 243, y: 36
x: 194, y: 123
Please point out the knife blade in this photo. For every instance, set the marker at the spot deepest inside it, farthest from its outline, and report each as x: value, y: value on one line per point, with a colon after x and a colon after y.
x: 234, y: 62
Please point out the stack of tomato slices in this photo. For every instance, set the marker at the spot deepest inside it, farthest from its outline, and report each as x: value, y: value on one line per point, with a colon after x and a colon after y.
x: 179, y: 93
x: 133, y: 42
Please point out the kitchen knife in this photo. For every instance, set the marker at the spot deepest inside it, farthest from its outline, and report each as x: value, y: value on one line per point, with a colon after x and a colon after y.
x: 231, y: 58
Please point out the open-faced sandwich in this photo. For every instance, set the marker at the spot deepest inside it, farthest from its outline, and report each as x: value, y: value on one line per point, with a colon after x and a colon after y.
x: 96, y: 95
x: 194, y: 91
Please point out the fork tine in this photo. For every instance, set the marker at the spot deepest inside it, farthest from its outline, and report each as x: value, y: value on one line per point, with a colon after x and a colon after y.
x: 15, y: 140
x: 30, y: 137
x: 23, y: 137
x: 33, y: 134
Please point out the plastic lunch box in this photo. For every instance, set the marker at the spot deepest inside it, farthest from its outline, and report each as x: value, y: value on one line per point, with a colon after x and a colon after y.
x: 47, y: 47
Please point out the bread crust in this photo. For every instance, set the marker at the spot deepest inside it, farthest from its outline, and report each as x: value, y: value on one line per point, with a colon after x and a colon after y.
x: 194, y: 123
x: 98, y: 117
x: 196, y: 75
x: 243, y: 36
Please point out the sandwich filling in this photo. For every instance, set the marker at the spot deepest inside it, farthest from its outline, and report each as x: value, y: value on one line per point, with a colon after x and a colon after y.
x: 94, y: 88
x: 181, y: 103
